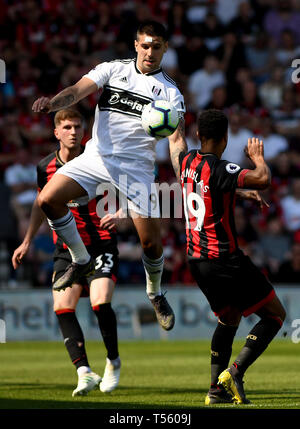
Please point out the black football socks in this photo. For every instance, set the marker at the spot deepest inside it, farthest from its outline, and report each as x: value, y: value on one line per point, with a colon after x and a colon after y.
x: 108, y: 326
x: 73, y: 337
x: 221, y: 349
x: 256, y: 342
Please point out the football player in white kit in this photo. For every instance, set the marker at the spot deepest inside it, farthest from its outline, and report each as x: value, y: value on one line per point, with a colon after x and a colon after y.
x: 119, y: 153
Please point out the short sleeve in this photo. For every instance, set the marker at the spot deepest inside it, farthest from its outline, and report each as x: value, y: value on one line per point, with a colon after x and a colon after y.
x: 229, y: 176
x: 100, y: 74
x: 176, y: 99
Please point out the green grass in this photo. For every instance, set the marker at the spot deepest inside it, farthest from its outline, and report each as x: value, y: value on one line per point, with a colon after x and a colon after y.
x: 155, y: 375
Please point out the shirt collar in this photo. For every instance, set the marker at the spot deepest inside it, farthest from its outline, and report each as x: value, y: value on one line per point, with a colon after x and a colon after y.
x: 159, y: 70
x: 199, y: 153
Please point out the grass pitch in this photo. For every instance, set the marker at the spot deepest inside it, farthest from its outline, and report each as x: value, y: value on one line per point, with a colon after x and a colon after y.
x: 155, y: 375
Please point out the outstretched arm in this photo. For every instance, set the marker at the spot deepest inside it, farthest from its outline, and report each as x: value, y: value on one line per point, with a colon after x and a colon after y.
x: 177, y: 144
x: 37, y: 217
x: 66, y: 98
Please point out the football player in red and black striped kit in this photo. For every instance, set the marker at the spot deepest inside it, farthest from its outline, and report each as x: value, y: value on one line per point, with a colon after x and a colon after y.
x: 232, y: 284
x: 102, y: 245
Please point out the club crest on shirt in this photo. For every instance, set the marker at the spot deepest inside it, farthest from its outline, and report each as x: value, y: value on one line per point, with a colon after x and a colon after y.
x: 232, y: 168
x: 156, y: 91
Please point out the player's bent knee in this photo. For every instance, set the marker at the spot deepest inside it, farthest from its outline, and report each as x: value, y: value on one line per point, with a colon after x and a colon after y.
x: 103, y: 299
x: 152, y: 248
x: 148, y: 243
x: 45, y: 201
x: 40, y: 199
x: 67, y: 299
x: 273, y: 309
x: 57, y: 307
x: 231, y: 318
x: 101, y: 291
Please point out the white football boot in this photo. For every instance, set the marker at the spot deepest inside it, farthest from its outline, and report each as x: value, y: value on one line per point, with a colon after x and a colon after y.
x: 86, y: 382
x: 111, y: 375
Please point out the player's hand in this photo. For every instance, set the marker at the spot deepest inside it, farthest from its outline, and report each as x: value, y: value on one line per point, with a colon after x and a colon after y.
x: 19, y: 254
x: 109, y: 221
x: 255, y: 150
x: 255, y: 196
x: 42, y: 105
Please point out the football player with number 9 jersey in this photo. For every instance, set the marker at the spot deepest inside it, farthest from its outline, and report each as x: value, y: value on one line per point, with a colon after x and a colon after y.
x: 232, y: 284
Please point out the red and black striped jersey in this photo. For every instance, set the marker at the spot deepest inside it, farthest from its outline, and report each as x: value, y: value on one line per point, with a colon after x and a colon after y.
x: 84, y: 211
x: 208, y: 188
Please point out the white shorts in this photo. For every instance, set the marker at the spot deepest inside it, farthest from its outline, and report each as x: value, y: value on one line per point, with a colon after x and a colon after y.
x: 101, y: 176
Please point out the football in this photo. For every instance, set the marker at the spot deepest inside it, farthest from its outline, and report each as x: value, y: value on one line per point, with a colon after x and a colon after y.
x: 160, y: 119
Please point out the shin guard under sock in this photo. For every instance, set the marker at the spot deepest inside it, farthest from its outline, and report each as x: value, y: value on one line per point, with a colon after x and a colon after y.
x: 257, y: 341
x: 221, y: 348
x: 73, y: 336
x: 108, y: 326
x: 153, y: 270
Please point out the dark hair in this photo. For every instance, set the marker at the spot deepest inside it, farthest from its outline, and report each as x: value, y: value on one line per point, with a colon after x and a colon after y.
x: 212, y: 124
x: 152, y: 28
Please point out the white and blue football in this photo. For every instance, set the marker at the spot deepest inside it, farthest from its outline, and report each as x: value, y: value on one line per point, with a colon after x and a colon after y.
x: 160, y: 119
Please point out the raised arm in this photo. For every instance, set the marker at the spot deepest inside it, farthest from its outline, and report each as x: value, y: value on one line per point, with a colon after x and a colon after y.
x: 260, y: 176
x: 177, y: 144
x: 37, y: 217
x: 66, y: 98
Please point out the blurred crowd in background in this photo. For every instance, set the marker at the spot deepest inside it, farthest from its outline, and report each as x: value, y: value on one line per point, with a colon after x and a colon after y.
x: 233, y: 55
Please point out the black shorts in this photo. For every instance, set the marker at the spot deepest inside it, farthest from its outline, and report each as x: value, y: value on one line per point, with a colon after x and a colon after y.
x: 106, y: 259
x: 232, y: 282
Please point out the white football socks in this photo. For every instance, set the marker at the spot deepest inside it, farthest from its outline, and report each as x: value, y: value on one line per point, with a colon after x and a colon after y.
x: 83, y: 370
x: 153, y: 269
x: 66, y: 229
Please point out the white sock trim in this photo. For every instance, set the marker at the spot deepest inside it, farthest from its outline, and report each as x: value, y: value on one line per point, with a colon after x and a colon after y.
x: 115, y: 362
x: 83, y: 370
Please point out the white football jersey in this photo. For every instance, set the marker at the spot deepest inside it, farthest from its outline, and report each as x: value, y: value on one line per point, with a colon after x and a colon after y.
x: 117, y: 128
